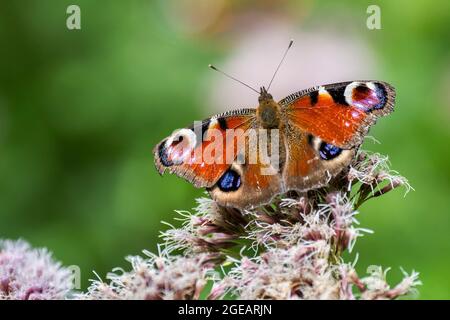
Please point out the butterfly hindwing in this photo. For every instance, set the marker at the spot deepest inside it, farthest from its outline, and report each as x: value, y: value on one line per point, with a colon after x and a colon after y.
x: 252, y: 179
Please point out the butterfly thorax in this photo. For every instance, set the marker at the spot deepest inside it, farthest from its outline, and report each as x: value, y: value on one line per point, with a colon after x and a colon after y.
x: 268, y: 111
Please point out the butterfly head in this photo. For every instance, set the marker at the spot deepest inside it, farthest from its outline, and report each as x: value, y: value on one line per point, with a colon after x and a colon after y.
x: 264, y: 96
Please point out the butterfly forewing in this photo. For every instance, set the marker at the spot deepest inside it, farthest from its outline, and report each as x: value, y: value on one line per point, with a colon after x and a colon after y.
x: 341, y: 113
x: 199, y: 153
x: 324, y: 127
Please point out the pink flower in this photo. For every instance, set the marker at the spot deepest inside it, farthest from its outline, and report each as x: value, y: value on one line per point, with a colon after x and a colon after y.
x: 31, y: 274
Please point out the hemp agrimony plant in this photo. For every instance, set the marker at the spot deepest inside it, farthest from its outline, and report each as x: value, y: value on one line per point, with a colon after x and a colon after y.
x: 290, y: 249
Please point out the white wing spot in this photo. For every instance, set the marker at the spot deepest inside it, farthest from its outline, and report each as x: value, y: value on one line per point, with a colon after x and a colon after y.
x: 322, y: 90
x: 371, y: 86
x: 348, y: 92
x: 213, y: 122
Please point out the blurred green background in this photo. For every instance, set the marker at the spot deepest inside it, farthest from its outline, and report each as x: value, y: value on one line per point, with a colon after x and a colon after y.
x: 81, y: 110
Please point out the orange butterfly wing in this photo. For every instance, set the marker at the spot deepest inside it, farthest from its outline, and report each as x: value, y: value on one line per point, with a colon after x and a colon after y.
x: 324, y: 127
x: 199, y: 153
x: 342, y: 113
x: 258, y: 179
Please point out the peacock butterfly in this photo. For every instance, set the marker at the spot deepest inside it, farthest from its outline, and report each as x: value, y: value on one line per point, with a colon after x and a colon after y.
x: 316, y: 132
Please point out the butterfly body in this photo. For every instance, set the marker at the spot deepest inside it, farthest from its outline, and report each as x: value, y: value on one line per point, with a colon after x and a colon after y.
x: 268, y: 111
x: 246, y: 157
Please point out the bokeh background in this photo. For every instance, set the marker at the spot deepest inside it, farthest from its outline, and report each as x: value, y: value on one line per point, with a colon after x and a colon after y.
x: 81, y: 110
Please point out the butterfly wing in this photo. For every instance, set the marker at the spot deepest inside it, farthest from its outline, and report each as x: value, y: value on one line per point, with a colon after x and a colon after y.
x: 325, y: 125
x: 199, y: 153
x: 341, y: 113
x: 310, y: 162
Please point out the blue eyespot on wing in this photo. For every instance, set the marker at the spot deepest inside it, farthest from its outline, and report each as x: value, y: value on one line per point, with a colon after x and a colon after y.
x: 230, y: 181
x: 328, y: 151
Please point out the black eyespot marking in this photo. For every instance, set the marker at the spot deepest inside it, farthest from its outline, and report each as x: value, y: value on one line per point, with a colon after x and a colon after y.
x: 222, y: 123
x: 230, y: 181
x: 162, y: 151
x: 310, y: 140
x: 328, y: 151
x: 314, y: 96
x: 362, y: 89
x: 338, y: 94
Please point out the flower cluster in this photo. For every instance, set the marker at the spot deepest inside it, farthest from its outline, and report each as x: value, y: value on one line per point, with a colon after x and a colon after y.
x: 289, y: 249
x: 31, y: 274
x: 156, y: 277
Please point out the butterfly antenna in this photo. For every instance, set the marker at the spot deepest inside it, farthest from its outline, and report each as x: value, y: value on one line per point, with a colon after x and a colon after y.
x: 281, y: 62
x: 233, y: 78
